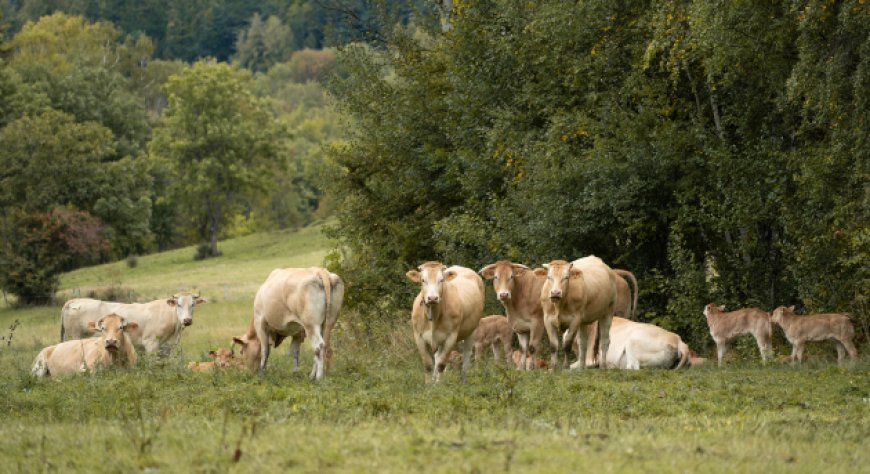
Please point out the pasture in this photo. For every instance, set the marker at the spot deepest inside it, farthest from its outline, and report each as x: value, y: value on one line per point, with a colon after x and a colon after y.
x: 373, y: 413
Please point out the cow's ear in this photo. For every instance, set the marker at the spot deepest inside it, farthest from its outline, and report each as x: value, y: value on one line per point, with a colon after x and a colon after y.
x: 92, y: 325
x: 791, y: 308
x: 200, y: 300
x: 487, y: 272
x: 131, y: 327
x: 239, y: 341
x: 722, y: 307
x: 575, y: 273
x: 212, y: 354
x: 413, y: 275
x: 449, y: 275
x: 519, y: 269
x: 171, y: 301
x: 541, y: 272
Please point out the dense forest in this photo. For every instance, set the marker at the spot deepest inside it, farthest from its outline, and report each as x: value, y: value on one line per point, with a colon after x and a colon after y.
x: 719, y: 150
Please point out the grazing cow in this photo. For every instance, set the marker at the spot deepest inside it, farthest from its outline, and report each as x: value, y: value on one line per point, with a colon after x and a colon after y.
x: 222, y: 357
x: 296, y: 303
x: 518, y: 289
x: 446, y: 312
x: 517, y: 357
x: 635, y: 345
x: 112, y: 347
x: 816, y: 327
x: 624, y: 302
x: 160, y: 321
x: 493, y: 331
x: 726, y: 326
x: 575, y: 295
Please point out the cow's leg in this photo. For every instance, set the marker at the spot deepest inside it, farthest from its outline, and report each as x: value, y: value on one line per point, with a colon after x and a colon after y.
x: 583, y: 341
x: 318, y: 346
x: 327, y: 346
x: 152, y: 346
x: 425, y: 354
x: 536, y: 331
x: 466, y: 346
x: 764, y: 346
x: 265, y: 346
x: 443, y: 352
x: 553, y: 337
x: 799, y: 351
x: 604, y: 340
x: 506, y: 350
x: 850, y: 347
x: 294, y: 349
x: 478, y: 352
x: 841, y: 351
x: 524, y: 347
x: 574, y: 329
x: 721, y: 349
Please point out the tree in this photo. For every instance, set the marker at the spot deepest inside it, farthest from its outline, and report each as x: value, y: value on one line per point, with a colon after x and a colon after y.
x: 263, y: 44
x: 220, y: 142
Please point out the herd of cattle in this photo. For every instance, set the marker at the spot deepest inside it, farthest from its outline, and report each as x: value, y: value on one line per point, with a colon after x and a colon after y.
x: 585, y: 306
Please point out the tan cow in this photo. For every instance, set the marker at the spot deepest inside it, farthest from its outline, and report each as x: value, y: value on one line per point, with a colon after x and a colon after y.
x: 296, y: 303
x: 160, y: 321
x: 518, y: 289
x: 575, y: 295
x: 446, y: 312
x: 635, y: 345
x: 726, y: 326
x: 493, y: 331
x: 517, y: 357
x: 112, y: 347
x: 816, y: 327
x: 221, y: 358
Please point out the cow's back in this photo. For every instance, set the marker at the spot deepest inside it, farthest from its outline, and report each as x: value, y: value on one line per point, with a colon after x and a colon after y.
x: 290, y: 296
x: 464, y: 299
x: 600, y: 285
x: 78, y: 312
x: 653, y: 346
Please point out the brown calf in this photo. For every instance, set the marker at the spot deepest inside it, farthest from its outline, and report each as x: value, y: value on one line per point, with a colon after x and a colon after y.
x: 222, y: 357
x: 493, y: 331
x: 816, y: 327
x: 726, y: 326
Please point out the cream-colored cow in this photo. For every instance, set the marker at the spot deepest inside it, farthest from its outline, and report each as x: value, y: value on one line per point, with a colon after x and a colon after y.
x: 160, y: 321
x: 112, y: 347
x: 446, y: 312
x: 726, y: 326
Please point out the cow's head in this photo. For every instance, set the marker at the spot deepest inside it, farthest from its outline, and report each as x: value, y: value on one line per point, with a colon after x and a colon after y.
x: 431, y: 276
x: 502, y: 274
x: 776, y: 316
x: 222, y: 356
x: 112, y: 329
x: 712, y: 309
x: 184, y: 304
x: 558, y: 272
x: 249, y: 350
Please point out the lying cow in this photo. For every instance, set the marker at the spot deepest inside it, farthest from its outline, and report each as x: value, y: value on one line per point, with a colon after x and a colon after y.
x: 221, y: 358
x: 493, y: 331
x: 518, y: 289
x: 575, y: 295
x: 446, y: 312
x: 295, y: 303
x: 160, y: 322
x: 724, y: 327
x: 635, y: 345
x: 517, y: 357
x: 112, y: 348
x: 816, y: 327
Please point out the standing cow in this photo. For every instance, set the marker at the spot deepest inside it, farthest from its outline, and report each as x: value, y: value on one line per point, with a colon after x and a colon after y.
x: 113, y: 347
x: 160, y: 322
x: 575, y: 295
x: 518, y: 289
x: 293, y: 302
x: 816, y: 327
x: 724, y: 327
x: 446, y: 312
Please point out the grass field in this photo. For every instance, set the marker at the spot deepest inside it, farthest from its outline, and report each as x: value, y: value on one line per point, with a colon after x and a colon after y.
x: 373, y: 413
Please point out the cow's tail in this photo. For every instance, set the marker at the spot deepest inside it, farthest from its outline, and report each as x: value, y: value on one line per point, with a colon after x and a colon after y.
x: 630, y: 277
x: 62, y: 313
x: 685, y: 356
x: 40, y: 365
x: 326, y: 281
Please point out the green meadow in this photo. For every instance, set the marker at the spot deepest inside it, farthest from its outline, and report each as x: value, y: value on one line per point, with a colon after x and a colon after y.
x: 373, y: 413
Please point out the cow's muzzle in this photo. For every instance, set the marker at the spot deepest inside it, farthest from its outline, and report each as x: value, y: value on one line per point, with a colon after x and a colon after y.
x: 432, y: 299
x: 111, y: 345
x: 187, y: 321
x: 504, y: 296
x: 555, y: 295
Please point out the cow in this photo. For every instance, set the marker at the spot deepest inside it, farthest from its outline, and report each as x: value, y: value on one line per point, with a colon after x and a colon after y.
x: 446, y: 312
x: 160, y: 321
x: 517, y: 357
x: 518, y: 290
x: 295, y: 303
x: 493, y: 331
x: 221, y: 358
x: 575, y: 295
x: 635, y: 345
x: 726, y: 326
x: 112, y: 348
x: 625, y: 304
x: 816, y: 327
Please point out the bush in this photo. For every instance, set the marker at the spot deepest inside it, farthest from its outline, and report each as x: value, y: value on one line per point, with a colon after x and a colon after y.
x: 204, y: 251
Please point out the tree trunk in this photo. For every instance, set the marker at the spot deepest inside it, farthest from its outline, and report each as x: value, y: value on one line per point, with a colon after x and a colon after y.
x: 213, y: 231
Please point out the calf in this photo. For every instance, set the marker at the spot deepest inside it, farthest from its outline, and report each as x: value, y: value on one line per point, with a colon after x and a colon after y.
x: 726, y: 326
x: 493, y: 331
x: 112, y: 348
x: 575, y: 295
x: 446, y: 311
x: 816, y: 327
x: 518, y: 289
x: 222, y: 357
x: 517, y: 357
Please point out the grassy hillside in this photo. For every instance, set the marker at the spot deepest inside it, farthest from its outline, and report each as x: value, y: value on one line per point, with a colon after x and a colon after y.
x: 374, y: 414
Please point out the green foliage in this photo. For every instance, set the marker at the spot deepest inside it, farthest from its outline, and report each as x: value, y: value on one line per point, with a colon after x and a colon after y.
x: 219, y: 140
x: 263, y: 44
